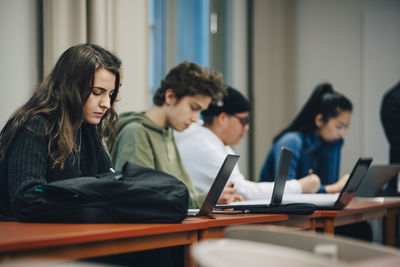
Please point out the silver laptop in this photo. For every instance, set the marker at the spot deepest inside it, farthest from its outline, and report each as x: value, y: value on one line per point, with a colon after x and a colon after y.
x: 334, y: 201
x: 216, y: 189
x: 277, y: 193
x: 375, y: 180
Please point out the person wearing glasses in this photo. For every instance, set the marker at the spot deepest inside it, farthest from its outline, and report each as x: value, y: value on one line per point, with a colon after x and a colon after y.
x: 204, y: 148
x: 58, y: 133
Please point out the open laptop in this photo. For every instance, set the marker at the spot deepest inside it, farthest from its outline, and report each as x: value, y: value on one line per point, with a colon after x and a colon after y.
x: 277, y: 193
x: 216, y: 189
x: 339, y: 200
x: 375, y: 180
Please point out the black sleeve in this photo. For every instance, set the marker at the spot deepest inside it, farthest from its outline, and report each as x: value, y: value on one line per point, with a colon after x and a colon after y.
x: 27, y: 160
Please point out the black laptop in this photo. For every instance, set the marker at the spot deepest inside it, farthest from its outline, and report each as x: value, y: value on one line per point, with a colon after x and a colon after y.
x: 216, y: 189
x: 377, y: 177
x: 334, y: 201
x: 273, y: 205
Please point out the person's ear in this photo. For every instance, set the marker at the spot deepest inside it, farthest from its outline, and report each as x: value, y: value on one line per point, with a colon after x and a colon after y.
x: 170, y: 97
x: 319, y: 122
x: 222, y: 117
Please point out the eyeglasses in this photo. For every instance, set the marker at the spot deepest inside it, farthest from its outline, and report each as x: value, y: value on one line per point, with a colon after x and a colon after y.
x: 244, y: 121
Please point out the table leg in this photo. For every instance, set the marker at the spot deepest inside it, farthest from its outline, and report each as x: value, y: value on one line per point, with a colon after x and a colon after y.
x: 389, y: 228
x: 313, y: 225
x: 329, y: 227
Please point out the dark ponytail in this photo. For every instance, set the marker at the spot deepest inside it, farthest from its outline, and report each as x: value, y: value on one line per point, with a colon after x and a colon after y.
x: 325, y: 101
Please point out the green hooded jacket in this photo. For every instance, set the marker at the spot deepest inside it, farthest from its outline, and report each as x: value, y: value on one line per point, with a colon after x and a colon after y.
x: 143, y: 142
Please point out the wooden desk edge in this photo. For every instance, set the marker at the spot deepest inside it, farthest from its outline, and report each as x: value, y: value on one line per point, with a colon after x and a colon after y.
x: 77, y: 251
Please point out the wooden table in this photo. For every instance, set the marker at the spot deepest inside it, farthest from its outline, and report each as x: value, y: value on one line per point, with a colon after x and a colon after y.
x: 66, y: 242
x: 358, y: 211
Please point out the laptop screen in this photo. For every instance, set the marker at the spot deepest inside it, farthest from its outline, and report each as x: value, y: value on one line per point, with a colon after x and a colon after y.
x: 376, y: 178
x: 356, y: 176
x: 281, y: 175
x: 218, y: 184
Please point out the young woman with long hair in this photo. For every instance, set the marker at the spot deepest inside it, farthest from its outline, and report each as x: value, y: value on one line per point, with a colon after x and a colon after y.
x: 59, y: 132
x: 316, y: 137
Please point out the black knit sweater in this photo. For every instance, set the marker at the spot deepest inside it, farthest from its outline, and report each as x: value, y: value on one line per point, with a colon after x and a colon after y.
x: 28, y: 163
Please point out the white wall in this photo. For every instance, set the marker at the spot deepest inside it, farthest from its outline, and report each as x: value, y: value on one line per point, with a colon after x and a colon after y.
x: 381, y: 69
x: 19, y: 54
x: 355, y: 46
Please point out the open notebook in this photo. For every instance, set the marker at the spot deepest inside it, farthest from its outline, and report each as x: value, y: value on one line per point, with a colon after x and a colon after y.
x: 273, y: 205
x: 334, y: 201
x: 216, y: 189
x: 375, y: 180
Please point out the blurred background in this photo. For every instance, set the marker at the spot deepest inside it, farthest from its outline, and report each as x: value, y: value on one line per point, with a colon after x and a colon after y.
x: 274, y: 51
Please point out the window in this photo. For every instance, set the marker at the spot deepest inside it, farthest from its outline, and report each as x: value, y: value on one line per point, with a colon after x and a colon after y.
x: 157, y: 43
x: 182, y: 33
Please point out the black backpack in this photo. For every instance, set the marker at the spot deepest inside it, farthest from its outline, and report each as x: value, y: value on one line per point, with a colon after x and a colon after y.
x: 135, y: 195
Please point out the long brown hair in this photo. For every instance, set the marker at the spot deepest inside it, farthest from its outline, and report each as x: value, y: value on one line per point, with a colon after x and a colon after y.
x: 60, y: 99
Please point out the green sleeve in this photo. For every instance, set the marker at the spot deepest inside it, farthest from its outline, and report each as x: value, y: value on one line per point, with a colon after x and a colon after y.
x: 132, y: 145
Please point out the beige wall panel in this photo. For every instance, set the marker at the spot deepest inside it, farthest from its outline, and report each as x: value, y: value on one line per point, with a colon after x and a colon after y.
x: 273, y: 73
x: 64, y: 25
x: 131, y: 33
